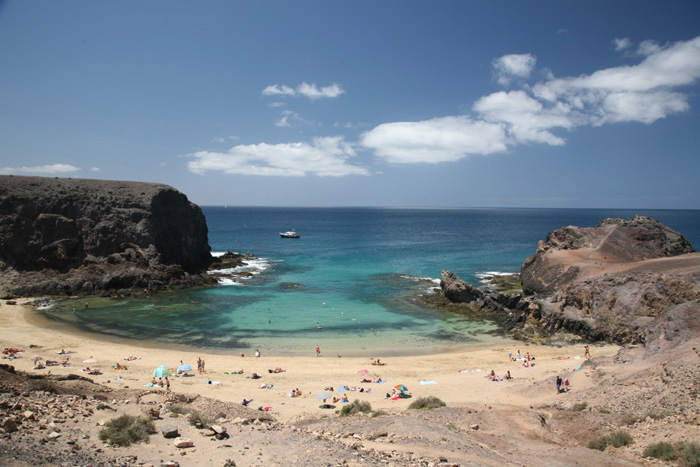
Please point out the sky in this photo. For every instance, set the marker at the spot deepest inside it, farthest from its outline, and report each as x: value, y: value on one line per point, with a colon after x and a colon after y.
x: 405, y: 103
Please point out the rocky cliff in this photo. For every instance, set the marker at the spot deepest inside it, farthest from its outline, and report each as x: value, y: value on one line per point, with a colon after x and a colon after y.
x: 66, y: 236
x: 633, y: 280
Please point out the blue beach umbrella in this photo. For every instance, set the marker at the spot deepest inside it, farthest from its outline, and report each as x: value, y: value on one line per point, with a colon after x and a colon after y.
x: 184, y: 368
x: 161, y: 371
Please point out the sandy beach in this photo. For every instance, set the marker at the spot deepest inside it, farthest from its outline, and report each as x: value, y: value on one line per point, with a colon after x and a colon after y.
x: 458, y: 378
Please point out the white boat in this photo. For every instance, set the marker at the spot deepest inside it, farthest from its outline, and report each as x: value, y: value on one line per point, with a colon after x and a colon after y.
x: 289, y: 234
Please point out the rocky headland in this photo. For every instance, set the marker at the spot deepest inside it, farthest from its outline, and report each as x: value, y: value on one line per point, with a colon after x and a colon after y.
x: 63, y: 236
x: 623, y: 281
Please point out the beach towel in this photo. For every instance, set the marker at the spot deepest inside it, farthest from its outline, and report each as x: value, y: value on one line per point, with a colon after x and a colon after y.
x: 341, y: 389
x: 577, y: 368
x: 428, y: 382
x: 344, y: 402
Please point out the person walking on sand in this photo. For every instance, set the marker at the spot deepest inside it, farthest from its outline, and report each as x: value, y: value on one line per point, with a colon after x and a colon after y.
x: 318, y: 351
x: 559, y: 381
x: 586, y: 352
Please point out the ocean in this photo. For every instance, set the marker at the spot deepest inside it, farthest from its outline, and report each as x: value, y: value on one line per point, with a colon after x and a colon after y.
x: 351, y: 284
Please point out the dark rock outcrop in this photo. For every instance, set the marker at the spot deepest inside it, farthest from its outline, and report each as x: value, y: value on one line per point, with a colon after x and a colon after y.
x: 66, y: 236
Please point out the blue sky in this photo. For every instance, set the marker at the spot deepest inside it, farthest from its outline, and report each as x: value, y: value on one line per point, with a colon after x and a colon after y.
x: 360, y: 103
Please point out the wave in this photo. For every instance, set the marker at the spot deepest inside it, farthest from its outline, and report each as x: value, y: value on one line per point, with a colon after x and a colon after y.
x: 250, y: 268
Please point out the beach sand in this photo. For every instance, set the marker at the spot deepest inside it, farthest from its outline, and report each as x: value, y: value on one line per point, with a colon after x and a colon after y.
x: 425, y: 375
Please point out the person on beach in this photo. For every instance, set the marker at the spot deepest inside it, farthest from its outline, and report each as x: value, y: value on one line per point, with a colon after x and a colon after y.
x: 318, y: 351
x: 510, y: 355
x: 586, y: 352
x: 518, y: 355
x: 246, y: 402
x: 559, y: 381
x: 257, y: 353
x: 167, y: 384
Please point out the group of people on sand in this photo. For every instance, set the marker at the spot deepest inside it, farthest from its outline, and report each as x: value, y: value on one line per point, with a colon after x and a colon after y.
x: 276, y: 370
x: 562, y: 384
x: 200, y: 366
x: 377, y: 362
x: 160, y: 382
x: 296, y: 393
x: 11, y: 352
x: 493, y: 377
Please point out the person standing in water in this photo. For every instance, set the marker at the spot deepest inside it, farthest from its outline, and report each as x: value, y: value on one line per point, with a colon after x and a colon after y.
x: 318, y: 351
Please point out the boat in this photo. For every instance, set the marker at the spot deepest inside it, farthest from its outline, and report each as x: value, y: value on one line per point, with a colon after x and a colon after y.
x: 290, y: 234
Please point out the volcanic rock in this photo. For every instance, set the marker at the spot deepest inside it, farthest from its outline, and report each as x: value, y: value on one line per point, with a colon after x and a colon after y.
x: 623, y: 281
x: 67, y: 236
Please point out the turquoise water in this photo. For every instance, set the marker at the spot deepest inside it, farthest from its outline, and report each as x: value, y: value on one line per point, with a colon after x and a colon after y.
x: 356, y: 272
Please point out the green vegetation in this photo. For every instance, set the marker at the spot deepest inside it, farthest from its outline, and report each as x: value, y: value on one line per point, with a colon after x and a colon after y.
x: 195, y: 418
x: 126, y: 429
x: 684, y: 454
x: 662, y: 450
x: 603, y: 410
x: 451, y: 426
x: 178, y: 409
x: 628, y: 419
x: 617, y: 439
x: 355, y: 407
x: 579, y: 407
x: 426, y: 403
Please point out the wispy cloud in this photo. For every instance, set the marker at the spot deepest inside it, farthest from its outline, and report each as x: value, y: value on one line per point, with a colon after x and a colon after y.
x: 304, y: 89
x: 40, y: 170
x: 622, y: 44
x: 324, y: 157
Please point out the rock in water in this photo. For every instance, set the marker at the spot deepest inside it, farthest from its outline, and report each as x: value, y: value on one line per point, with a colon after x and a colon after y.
x: 65, y: 236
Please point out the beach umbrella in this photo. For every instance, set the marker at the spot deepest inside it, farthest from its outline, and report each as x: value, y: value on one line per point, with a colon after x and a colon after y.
x: 401, y: 387
x: 184, y: 368
x: 161, y: 371
x: 324, y: 396
x: 363, y: 372
x: 90, y: 360
x: 36, y: 358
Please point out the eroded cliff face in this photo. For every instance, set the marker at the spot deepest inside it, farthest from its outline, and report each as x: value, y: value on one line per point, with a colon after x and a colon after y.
x: 64, y: 236
x: 612, y: 281
x: 633, y: 280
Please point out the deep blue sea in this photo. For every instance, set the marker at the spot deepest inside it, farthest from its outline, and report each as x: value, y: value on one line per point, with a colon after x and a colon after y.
x: 358, y: 273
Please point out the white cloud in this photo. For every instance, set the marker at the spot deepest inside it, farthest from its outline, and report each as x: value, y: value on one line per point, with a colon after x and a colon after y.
x: 641, y: 107
x: 324, y: 157
x: 277, y: 90
x: 312, y: 92
x: 622, y: 93
x: 512, y: 66
x: 42, y: 169
x: 305, y: 89
x: 641, y: 93
x: 437, y: 140
x: 622, y: 44
x: 94, y: 169
x: 527, y: 119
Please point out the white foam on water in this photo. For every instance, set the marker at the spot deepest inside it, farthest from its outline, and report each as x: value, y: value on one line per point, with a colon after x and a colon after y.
x: 485, y: 277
